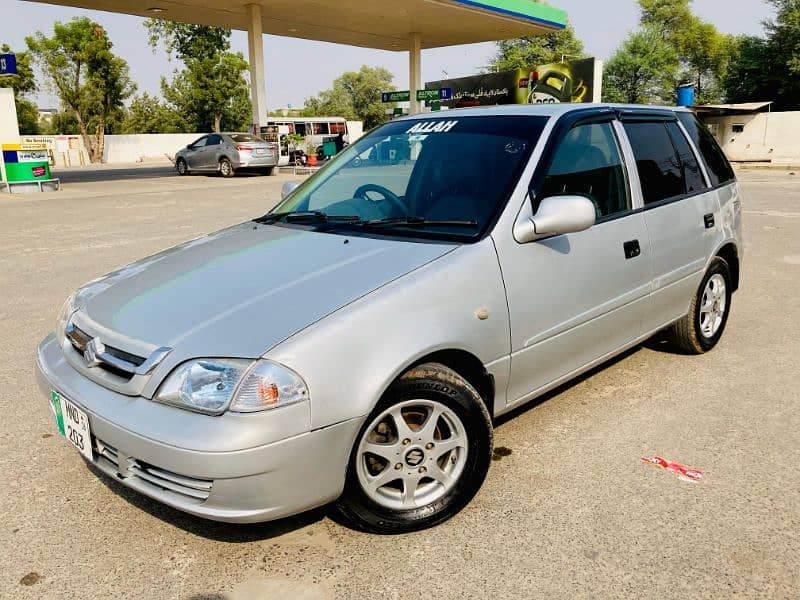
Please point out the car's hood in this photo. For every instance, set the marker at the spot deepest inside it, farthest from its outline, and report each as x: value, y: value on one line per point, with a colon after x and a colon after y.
x: 240, y: 291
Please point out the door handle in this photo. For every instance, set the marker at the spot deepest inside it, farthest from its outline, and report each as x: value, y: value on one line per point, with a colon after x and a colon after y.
x: 708, y: 220
x: 632, y: 249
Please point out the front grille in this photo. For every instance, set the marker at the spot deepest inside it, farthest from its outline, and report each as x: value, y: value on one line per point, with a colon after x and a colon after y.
x: 120, y: 363
x: 192, y: 488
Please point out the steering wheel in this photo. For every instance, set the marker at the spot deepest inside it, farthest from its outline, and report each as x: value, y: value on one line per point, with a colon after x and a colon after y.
x: 389, y: 195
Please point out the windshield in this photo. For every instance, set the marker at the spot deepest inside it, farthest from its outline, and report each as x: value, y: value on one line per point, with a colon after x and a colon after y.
x: 447, y: 176
x: 244, y: 137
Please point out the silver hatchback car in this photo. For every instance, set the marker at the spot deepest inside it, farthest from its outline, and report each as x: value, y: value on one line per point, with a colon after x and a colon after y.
x: 227, y: 153
x: 354, y: 345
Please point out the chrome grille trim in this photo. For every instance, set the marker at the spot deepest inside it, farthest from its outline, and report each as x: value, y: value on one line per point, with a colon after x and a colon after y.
x: 114, y: 358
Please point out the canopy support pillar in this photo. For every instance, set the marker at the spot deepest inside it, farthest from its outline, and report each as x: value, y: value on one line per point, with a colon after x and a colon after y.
x: 414, y: 71
x: 255, y: 45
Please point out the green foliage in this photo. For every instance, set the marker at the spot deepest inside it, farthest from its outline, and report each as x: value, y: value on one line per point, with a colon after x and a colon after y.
x: 211, y: 93
x: 147, y: 114
x: 27, y: 117
x: 90, y: 80
x: 63, y: 122
x: 355, y: 95
x: 535, y: 50
x: 23, y: 83
x: 642, y: 71
x: 703, y: 52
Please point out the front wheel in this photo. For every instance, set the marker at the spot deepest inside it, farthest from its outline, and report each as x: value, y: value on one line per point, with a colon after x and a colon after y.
x: 702, y: 327
x: 421, y: 456
x: 181, y: 166
x: 225, y: 167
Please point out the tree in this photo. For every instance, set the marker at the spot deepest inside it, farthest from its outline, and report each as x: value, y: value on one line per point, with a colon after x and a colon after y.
x: 23, y: 83
x: 641, y: 70
x: 535, y: 50
x: 703, y: 52
x: 91, y: 81
x: 147, y: 114
x: 355, y: 95
x: 212, y: 91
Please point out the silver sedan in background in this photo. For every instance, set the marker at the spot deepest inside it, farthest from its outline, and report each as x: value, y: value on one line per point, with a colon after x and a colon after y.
x: 227, y: 153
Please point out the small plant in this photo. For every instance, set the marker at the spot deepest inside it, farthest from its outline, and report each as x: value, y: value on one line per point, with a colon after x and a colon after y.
x: 295, y: 139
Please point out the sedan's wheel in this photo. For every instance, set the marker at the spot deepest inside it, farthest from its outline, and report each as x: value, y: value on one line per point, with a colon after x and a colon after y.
x: 702, y: 327
x: 225, y: 167
x: 181, y: 166
x: 421, y: 456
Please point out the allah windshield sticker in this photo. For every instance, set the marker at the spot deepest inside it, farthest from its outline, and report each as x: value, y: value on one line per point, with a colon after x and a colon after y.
x: 515, y: 147
x: 433, y: 127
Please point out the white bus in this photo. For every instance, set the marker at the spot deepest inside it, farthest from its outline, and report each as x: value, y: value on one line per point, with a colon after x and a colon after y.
x: 315, y: 130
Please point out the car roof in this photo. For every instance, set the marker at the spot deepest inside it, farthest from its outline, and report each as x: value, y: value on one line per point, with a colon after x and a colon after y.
x: 540, y: 110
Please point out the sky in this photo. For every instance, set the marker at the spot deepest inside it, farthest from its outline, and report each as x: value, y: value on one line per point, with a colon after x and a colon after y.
x: 297, y: 69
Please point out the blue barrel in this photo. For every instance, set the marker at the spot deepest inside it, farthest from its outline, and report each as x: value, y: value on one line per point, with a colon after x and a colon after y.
x: 686, y: 94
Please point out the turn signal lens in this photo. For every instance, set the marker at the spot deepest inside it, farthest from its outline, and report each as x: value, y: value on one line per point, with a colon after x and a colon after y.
x: 268, y: 385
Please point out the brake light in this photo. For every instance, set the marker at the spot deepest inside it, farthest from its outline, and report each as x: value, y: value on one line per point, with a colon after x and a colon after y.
x: 248, y: 148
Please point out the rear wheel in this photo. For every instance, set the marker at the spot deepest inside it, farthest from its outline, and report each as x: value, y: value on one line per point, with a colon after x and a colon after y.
x: 225, y: 167
x: 183, y: 169
x: 421, y: 456
x: 702, y: 327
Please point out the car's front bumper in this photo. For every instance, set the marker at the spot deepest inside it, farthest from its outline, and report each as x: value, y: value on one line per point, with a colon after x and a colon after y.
x: 245, y: 485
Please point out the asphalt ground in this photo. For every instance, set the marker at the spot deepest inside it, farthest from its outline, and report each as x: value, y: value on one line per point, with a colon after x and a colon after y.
x: 568, y: 510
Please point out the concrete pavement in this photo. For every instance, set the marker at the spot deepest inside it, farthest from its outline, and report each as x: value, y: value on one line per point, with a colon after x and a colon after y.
x: 568, y: 509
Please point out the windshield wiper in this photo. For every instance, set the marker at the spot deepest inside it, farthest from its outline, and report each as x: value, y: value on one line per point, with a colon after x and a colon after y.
x: 418, y: 222
x: 308, y: 216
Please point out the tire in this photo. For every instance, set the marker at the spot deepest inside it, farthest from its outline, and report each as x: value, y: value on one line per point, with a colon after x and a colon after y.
x: 439, y: 465
x: 225, y: 167
x: 701, y: 328
x: 182, y: 167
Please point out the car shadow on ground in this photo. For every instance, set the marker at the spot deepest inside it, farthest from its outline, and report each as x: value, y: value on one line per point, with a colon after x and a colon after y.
x: 657, y: 343
x: 101, y: 174
x: 251, y: 532
x: 233, y: 533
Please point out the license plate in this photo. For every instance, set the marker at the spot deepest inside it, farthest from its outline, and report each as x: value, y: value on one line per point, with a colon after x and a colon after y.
x: 72, y: 423
x: 261, y: 151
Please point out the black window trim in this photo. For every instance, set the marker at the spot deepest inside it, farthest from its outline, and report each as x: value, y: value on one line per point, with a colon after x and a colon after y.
x: 640, y: 118
x: 563, y: 126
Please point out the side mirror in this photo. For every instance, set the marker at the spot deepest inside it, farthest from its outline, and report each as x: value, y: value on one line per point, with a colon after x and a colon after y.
x: 288, y: 188
x: 557, y: 215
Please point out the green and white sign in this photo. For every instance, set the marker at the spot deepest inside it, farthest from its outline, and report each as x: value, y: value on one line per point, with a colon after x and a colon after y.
x: 402, y: 96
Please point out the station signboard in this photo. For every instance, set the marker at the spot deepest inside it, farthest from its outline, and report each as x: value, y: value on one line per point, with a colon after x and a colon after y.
x: 577, y: 81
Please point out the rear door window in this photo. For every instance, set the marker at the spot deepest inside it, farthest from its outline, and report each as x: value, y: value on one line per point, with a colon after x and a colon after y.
x: 719, y: 169
x: 659, y: 167
x: 692, y: 174
x: 214, y: 140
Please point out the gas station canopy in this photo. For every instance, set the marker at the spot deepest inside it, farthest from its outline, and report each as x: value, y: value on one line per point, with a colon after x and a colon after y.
x: 408, y: 25
x: 381, y: 24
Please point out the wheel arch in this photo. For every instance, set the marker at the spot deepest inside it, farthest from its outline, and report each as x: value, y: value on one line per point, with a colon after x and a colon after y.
x: 468, y: 366
x: 730, y: 254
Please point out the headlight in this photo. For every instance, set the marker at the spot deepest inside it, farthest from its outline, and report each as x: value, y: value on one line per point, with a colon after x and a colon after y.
x: 67, y: 310
x: 213, y: 385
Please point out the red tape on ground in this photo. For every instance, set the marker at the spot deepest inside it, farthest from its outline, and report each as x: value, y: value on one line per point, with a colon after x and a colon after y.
x: 683, y: 472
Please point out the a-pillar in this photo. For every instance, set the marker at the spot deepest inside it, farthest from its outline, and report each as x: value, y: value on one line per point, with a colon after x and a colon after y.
x: 414, y: 71
x: 255, y: 44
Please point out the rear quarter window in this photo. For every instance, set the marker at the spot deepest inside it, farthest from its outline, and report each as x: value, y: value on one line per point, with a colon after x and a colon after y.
x: 719, y: 169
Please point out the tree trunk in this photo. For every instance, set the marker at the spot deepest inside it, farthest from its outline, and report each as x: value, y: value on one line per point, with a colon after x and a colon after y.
x: 87, y: 139
x: 100, y: 143
x: 217, y: 122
